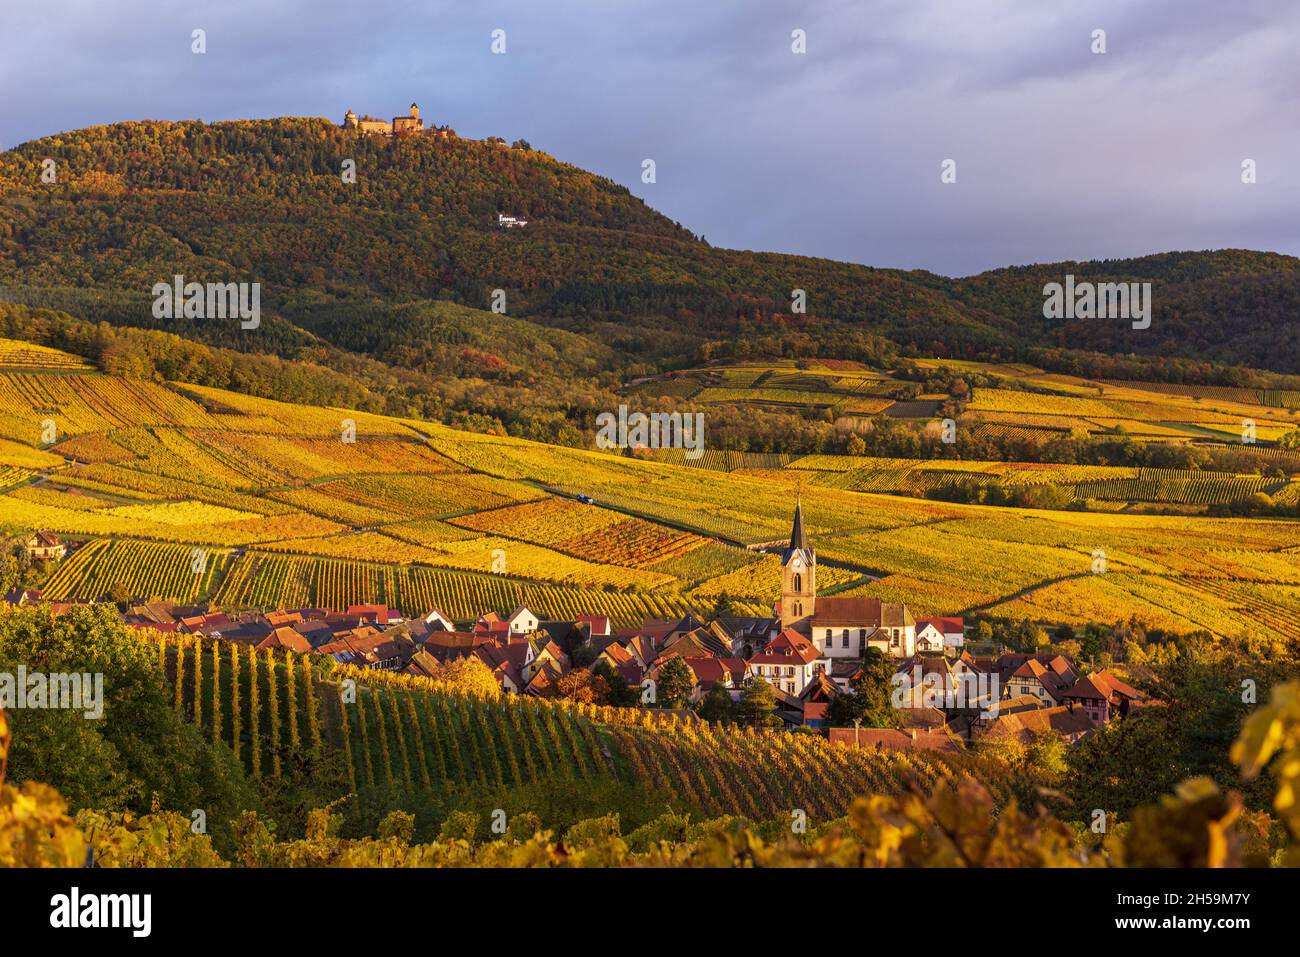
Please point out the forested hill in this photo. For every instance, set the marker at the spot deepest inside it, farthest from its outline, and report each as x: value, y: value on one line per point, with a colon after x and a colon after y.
x: 341, y: 263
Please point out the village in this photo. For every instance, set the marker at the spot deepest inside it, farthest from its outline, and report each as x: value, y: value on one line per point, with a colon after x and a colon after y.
x: 946, y: 693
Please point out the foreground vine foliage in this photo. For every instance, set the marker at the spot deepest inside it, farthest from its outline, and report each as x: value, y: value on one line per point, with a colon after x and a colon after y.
x: 957, y: 824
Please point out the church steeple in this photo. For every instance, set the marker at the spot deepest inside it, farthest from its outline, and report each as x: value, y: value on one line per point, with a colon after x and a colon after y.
x: 798, y: 538
x: 798, y: 575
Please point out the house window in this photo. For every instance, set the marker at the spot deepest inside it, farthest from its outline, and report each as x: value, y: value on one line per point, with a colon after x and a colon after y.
x: 862, y: 638
x: 894, y: 640
x: 844, y: 639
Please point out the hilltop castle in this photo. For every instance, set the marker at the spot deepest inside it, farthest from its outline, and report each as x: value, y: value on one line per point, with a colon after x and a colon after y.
x: 409, y: 125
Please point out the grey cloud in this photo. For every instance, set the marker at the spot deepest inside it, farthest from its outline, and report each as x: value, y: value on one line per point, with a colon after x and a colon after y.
x: 1061, y: 154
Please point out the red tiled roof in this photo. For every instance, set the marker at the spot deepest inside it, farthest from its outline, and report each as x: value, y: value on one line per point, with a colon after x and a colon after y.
x: 599, y: 623
x: 1102, y: 686
x: 893, y: 740
x: 709, y: 671
x: 285, y: 637
x: 946, y: 626
x: 850, y: 610
x: 378, y: 612
x: 786, y: 649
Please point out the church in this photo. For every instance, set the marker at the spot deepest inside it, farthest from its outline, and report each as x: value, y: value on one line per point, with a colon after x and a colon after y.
x: 837, y: 626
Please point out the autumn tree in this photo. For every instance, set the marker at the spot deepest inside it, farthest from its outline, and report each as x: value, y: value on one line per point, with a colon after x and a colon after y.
x: 716, y: 705
x: 758, y: 704
x: 582, y: 687
x: 469, y: 675
x: 674, y: 682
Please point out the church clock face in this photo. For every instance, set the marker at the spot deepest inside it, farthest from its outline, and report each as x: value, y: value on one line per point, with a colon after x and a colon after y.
x: 797, y: 563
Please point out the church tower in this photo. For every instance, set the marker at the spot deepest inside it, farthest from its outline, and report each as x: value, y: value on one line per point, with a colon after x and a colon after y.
x: 798, y: 576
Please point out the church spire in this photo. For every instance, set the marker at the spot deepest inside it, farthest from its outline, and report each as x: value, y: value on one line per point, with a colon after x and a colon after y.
x: 798, y: 537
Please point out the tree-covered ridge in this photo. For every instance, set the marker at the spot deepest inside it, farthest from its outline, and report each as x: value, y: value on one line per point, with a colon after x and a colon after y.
x: 265, y: 201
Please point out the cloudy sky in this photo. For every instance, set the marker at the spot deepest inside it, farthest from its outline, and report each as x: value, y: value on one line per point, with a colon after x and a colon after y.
x: 1060, y: 153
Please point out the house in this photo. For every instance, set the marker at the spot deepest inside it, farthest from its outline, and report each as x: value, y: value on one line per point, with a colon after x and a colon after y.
x: 1048, y: 679
x: 510, y: 222
x: 893, y: 739
x: 370, y: 614
x: 521, y: 621
x: 621, y: 659
x: 543, y: 680
x: 1101, y: 696
x: 700, y: 643
x: 22, y: 596
x: 746, y: 635
x: 841, y: 626
x: 506, y: 661
x: 422, y: 665
x: 368, y: 647
x: 546, y: 656
x: 1013, y: 705
x: 213, y: 624
x: 161, y: 612
x: 568, y: 635
x: 940, y: 635
x: 438, y: 621
x: 492, y: 625
x: 710, y: 672
x: 597, y: 625
x: 1025, y: 725
x: 924, y: 681
x: 316, y: 632
x: 277, y: 618
x: 286, y: 638
x: 816, y: 698
x: 788, y: 662
x: 447, y: 646
x: 45, y: 546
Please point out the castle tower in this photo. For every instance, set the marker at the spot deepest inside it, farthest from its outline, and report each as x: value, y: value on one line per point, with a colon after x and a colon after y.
x: 415, y: 111
x: 798, y: 576
x: 350, y: 121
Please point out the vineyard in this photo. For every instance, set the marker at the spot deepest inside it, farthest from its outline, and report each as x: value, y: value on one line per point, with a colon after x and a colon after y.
x: 260, y: 580
x: 761, y: 775
x: 294, y: 509
x: 1023, y: 402
x: 413, y: 736
x: 144, y: 569
x: 15, y: 354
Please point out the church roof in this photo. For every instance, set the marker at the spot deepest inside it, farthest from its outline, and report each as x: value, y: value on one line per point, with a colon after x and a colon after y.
x: 798, y: 539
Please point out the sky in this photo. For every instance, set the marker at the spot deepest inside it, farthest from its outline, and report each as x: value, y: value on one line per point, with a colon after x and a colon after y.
x: 1060, y: 153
